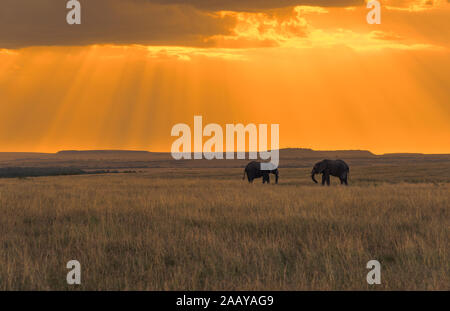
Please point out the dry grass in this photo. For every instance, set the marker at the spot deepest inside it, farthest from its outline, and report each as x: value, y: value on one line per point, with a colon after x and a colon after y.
x: 206, y: 229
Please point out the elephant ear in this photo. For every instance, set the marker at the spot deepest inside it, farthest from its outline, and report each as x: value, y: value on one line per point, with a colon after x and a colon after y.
x: 322, y: 166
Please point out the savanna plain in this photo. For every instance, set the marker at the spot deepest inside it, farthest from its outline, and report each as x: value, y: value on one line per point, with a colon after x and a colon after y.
x: 204, y: 228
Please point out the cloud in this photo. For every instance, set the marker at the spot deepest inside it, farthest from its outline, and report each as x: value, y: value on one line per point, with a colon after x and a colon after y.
x: 389, y: 36
x: 413, y: 5
x: 186, y: 53
x: 226, y: 24
x: 43, y: 23
x: 257, y: 5
x: 25, y: 23
x: 268, y: 29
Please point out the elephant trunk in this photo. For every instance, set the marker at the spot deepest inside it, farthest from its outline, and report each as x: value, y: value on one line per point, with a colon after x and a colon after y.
x: 313, y: 173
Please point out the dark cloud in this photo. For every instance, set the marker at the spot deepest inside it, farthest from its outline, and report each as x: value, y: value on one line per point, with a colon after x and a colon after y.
x: 32, y: 23
x: 153, y: 22
x: 254, y: 5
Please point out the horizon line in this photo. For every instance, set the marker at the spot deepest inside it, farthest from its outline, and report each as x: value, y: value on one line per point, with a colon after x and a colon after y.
x: 280, y: 149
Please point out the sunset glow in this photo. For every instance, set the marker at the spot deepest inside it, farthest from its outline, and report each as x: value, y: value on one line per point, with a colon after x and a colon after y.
x: 327, y: 77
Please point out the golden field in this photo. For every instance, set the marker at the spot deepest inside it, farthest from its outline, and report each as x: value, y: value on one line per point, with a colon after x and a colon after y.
x: 207, y: 229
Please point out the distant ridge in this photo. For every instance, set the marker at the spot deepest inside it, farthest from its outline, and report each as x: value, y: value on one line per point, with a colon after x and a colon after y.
x: 101, y: 151
x: 24, y: 164
x: 405, y: 154
x: 297, y: 152
x: 283, y: 150
x: 366, y: 152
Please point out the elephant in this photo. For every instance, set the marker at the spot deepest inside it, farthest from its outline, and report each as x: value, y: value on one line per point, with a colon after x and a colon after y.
x: 253, y: 170
x: 336, y: 168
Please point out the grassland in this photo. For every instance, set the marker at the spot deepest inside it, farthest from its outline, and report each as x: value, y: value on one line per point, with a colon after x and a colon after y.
x: 207, y: 229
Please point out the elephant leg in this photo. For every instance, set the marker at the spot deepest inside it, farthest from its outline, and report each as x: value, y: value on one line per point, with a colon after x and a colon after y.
x: 344, y: 178
x: 324, y: 178
x: 328, y: 179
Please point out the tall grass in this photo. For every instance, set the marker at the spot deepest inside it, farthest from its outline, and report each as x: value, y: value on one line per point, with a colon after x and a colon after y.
x: 205, y: 229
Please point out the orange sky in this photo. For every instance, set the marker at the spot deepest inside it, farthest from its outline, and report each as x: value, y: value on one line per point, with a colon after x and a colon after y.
x: 327, y: 77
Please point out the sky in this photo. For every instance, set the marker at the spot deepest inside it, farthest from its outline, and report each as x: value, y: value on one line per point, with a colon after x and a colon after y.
x: 135, y: 68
